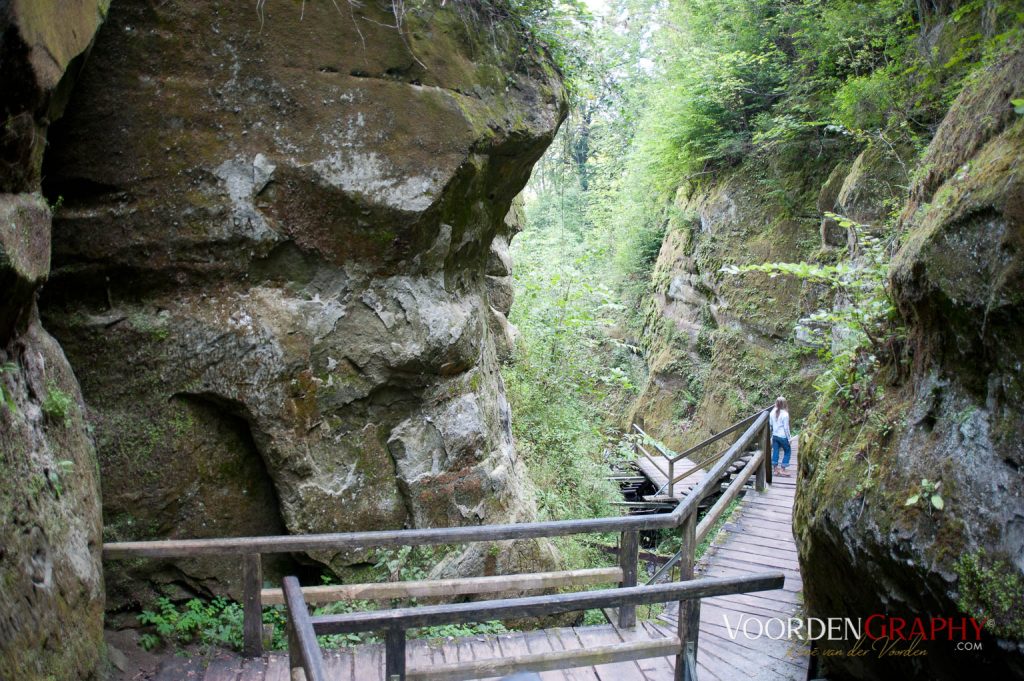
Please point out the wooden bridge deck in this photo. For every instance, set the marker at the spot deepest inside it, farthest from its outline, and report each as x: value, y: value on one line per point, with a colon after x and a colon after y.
x: 658, y: 474
x: 366, y: 662
x: 757, y: 538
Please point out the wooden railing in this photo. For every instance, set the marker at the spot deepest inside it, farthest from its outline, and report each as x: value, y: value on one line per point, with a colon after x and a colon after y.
x: 305, y: 654
x: 684, y: 518
x: 672, y: 458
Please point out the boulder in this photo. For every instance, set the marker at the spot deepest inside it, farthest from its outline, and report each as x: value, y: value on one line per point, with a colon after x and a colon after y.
x: 870, y: 538
x: 272, y: 266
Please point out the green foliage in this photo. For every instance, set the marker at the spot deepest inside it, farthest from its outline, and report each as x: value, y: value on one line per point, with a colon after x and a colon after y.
x: 865, y: 102
x: 993, y: 589
x: 57, y: 405
x: 218, y: 622
x: 860, y: 332
x: 927, y: 493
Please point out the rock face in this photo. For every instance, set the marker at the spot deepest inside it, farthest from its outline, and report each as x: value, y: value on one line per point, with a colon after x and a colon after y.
x: 716, y: 343
x: 276, y: 265
x: 51, y: 583
x: 957, y: 419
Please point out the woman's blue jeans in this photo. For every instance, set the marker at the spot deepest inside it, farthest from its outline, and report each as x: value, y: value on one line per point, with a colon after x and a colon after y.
x: 780, y: 442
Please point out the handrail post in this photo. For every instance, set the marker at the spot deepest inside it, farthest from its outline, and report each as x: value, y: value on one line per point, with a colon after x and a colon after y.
x: 252, y: 605
x: 394, y: 655
x: 768, y: 451
x: 671, y: 476
x: 294, y: 649
x: 689, y: 610
x: 629, y: 556
x: 762, y: 470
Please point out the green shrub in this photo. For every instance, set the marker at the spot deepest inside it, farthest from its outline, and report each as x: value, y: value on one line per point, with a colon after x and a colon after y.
x: 57, y: 405
x: 865, y: 102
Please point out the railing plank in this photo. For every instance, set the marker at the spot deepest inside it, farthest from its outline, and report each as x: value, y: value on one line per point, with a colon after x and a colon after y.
x: 535, y: 606
x: 730, y: 493
x: 302, y: 642
x: 547, y: 661
x: 186, y: 548
x: 714, y: 438
x: 429, y: 588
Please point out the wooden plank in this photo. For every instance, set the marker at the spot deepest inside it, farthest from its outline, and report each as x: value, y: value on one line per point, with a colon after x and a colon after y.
x: 532, y: 606
x: 451, y: 587
x: 222, y: 668
x: 338, y: 665
x: 730, y: 552
x: 538, y: 642
x: 564, y: 638
x: 594, y: 638
x: 764, y: 647
x: 484, y: 648
x: 723, y: 502
x: 561, y: 659
x: 298, y: 543
x: 277, y: 669
x: 252, y: 670
x: 368, y: 663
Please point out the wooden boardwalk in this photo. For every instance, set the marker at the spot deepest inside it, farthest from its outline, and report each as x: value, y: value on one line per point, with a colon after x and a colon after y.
x: 757, y: 538
x: 366, y: 662
x: 658, y: 475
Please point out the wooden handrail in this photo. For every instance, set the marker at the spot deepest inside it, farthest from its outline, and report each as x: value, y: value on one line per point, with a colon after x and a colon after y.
x: 433, y: 588
x: 537, y: 606
x: 397, y: 621
x: 701, y: 445
x: 253, y: 547
x: 303, y: 650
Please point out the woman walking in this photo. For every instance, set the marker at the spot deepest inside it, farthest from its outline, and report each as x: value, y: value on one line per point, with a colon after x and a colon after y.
x: 779, y: 417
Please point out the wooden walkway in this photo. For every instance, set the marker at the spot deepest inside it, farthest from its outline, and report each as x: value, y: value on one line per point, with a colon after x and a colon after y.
x: 366, y: 662
x: 757, y: 538
x: 658, y: 474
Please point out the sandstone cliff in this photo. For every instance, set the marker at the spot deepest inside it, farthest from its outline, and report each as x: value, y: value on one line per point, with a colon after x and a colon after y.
x: 51, y: 583
x: 277, y: 273
x: 956, y: 420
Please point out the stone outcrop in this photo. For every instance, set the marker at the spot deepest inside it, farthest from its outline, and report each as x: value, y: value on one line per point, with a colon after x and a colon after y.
x: 716, y: 343
x: 281, y: 269
x: 957, y: 419
x: 51, y: 583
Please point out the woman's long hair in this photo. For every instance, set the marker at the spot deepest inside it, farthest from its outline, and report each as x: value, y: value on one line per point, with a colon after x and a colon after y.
x: 780, y: 405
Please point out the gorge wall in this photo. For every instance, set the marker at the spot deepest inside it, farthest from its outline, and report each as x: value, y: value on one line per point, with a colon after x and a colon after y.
x: 718, y: 345
x: 281, y: 269
x: 955, y: 417
x: 51, y: 580
x: 946, y: 407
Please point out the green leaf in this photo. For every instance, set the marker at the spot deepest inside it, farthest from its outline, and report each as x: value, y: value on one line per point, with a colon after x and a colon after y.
x: 1018, y: 105
x: 937, y: 502
x: 912, y: 500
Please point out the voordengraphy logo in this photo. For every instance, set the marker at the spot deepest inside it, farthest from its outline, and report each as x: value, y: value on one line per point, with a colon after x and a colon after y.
x: 878, y: 633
